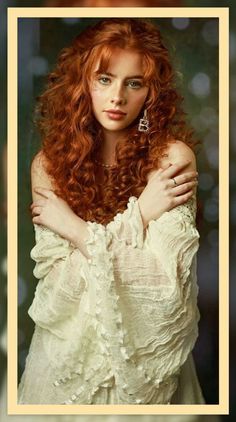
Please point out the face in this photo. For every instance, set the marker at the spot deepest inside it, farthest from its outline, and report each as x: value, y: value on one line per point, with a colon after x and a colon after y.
x: 119, y: 95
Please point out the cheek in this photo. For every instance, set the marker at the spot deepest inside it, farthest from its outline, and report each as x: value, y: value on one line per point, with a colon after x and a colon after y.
x: 139, y: 100
x: 97, y: 96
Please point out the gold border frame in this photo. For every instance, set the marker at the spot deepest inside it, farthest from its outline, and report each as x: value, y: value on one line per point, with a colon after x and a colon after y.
x: 223, y: 15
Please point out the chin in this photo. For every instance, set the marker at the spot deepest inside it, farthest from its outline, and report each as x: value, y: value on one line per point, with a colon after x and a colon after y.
x: 115, y: 127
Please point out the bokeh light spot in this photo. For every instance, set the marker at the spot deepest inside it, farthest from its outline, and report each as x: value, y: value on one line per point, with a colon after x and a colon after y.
x: 38, y: 66
x: 211, y: 210
x: 205, y: 119
x: 71, y: 21
x: 22, y: 291
x: 200, y: 85
x: 180, y: 23
x: 205, y: 181
x: 212, y: 153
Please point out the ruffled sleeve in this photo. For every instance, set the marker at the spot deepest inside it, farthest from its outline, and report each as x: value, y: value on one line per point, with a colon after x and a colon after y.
x: 174, y: 239
x: 59, y: 268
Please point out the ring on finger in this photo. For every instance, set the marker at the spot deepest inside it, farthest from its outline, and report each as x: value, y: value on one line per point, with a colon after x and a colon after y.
x: 175, y: 183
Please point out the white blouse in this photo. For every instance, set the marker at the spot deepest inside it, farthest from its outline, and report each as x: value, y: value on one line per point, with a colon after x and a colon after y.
x: 118, y: 327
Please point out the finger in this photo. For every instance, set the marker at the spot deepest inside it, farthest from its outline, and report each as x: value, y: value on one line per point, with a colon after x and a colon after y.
x: 179, y: 200
x: 36, y: 220
x: 166, y: 166
x: 46, y: 193
x: 185, y: 187
x: 39, y: 203
x: 175, y: 168
x: 186, y: 177
x: 36, y: 210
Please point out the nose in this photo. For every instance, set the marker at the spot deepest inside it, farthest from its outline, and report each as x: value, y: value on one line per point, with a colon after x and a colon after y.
x: 118, y: 96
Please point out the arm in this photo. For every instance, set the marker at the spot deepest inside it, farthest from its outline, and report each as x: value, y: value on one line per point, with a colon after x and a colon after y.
x: 157, y: 197
x: 59, y: 267
x: 127, y: 227
x: 51, y: 211
x: 160, y: 195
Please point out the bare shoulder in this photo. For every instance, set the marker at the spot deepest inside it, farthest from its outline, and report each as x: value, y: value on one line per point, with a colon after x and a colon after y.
x: 39, y: 176
x: 178, y: 151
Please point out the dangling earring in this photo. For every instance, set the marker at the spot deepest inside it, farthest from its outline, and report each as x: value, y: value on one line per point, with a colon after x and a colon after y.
x: 144, y: 123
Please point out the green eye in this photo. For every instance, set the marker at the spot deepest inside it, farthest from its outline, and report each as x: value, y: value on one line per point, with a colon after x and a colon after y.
x: 135, y: 84
x: 104, y: 80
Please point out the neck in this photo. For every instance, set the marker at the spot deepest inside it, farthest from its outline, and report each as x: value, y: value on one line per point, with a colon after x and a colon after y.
x: 108, y: 147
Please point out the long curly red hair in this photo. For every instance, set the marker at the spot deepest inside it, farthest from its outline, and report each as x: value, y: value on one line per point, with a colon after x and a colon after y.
x: 71, y: 134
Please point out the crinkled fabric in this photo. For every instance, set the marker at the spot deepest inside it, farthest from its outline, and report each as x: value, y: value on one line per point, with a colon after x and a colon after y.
x: 120, y: 326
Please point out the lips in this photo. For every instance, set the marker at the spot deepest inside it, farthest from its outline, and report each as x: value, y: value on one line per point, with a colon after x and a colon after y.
x: 115, y: 114
x: 114, y: 111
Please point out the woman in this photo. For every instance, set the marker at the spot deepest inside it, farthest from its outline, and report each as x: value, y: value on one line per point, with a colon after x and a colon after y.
x: 114, y: 201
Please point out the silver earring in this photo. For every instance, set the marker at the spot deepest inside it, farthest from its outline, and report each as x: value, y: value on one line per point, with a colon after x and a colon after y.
x: 144, y: 123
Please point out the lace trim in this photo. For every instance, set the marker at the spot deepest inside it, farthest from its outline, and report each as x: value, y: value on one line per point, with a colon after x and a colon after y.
x: 185, y: 212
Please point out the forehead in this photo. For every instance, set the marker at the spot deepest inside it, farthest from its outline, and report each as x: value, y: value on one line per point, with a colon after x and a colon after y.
x: 122, y: 61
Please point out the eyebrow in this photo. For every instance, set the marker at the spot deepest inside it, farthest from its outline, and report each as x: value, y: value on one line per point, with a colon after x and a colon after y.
x: 128, y: 77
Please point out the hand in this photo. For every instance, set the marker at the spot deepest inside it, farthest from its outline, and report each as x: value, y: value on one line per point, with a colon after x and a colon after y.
x: 54, y: 213
x: 161, y: 194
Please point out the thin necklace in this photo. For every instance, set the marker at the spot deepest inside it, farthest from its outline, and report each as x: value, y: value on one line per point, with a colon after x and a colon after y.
x: 104, y: 165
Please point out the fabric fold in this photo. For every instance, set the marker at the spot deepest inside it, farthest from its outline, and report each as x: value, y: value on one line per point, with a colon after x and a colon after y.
x: 175, y: 231
x: 127, y: 227
x: 59, y: 268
